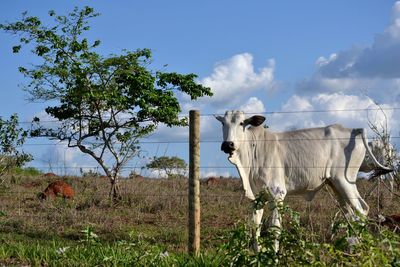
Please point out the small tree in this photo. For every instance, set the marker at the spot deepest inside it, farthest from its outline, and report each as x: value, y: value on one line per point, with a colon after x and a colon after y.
x: 104, y: 104
x: 11, y: 139
x: 170, y: 165
x: 383, y: 150
x: 387, y: 153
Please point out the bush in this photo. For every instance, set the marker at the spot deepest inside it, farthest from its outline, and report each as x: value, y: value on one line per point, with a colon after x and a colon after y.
x: 28, y: 171
x: 353, y: 244
x: 11, y: 139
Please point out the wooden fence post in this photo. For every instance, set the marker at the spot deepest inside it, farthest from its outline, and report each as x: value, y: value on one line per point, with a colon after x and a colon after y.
x: 194, y: 182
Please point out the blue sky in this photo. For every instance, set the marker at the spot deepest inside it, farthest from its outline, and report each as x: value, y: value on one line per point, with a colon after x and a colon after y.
x: 258, y: 56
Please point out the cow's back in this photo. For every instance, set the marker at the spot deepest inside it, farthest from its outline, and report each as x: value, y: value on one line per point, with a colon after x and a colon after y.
x: 305, y: 158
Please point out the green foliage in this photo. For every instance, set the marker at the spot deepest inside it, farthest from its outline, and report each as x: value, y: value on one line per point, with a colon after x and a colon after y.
x: 134, y: 251
x: 27, y: 171
x: 90, y: 237
x: 170, y: 165
x: 11, y: 139
x: 373, y: 249
x: 353, y: 244
x: 104, y: 103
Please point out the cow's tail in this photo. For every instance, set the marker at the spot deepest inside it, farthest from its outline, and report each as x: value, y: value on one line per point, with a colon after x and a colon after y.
x: 380, y: 169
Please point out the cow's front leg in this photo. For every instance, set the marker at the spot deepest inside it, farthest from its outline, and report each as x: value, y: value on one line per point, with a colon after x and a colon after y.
x: 257, y: 219
x: 277, y: 195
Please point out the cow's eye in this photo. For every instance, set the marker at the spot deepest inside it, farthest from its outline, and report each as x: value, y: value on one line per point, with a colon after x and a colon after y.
x: 241, y: 124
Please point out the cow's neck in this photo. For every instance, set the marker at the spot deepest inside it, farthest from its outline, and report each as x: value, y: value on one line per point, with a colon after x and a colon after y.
x: 246, y: 150
x: 243, y: 159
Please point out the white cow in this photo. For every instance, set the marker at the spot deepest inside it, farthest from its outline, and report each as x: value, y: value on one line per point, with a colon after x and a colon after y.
x: 295, y: 162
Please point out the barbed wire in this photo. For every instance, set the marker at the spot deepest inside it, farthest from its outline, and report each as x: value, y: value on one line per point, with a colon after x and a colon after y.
x: 127, y: 193
x: 216, y: 141
x: 240, y: 194
x: 205, y: 167
x: 311, y: 111
x: 160, y: 222
x: 270, y: 112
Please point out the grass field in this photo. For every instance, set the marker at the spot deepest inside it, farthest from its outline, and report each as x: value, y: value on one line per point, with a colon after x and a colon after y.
x: 151, y: 219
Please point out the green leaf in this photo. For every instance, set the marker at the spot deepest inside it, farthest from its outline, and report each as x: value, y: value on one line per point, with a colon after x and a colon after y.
x: 16, y: 48
x: 96, y: 43
x: 22, y: 69
x: 42, y: 50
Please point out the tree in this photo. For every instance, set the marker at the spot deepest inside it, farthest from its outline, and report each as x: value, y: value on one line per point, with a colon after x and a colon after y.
x: 170, y: 165
x: 104, y: 104
x: 383, y: 150
x: 12, y: 138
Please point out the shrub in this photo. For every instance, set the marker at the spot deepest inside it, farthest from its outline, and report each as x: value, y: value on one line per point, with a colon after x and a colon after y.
x: 353, y: 244
x: 27, y: 171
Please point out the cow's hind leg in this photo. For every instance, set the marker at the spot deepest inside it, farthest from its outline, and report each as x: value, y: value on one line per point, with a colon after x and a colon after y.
x: 349, y: 197
x: 351, y: 201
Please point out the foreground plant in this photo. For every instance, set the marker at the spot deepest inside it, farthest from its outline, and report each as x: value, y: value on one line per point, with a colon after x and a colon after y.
x: 356, y: 243
x: 135, y: 251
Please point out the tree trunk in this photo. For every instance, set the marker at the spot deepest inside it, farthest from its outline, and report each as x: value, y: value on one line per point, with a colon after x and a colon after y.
x: 114, y: 194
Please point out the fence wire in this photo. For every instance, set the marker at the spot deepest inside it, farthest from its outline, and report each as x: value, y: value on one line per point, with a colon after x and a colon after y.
x: 272, y: 112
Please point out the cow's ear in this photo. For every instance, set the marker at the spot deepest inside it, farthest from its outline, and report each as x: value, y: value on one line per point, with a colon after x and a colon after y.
x: 255, y: 120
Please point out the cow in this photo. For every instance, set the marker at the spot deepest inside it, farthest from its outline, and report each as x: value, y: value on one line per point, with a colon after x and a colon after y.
x: 57, y: 188
x: 295, y: 162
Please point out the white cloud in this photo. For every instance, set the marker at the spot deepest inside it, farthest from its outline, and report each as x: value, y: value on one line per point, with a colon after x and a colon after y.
x: 253, y: 105
x: 322, y: 61
x: 170, y: 133
x: 394, y: 28
x: 382, y: 58
x: 348, y: 110
x: 208, y: 174
x: 297, y: 103
x: 234, y: 82
x: 375, y: 68
x: 58, y: 158
x: 235, y: 78
x: 181, y: 134
x: 340, y: 106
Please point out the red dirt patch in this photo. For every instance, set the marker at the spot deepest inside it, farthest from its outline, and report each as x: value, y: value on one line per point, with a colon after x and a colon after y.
x: 57, y: 188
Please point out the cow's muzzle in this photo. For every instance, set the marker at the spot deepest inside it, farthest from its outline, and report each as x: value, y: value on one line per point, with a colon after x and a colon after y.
x: 228, y: 147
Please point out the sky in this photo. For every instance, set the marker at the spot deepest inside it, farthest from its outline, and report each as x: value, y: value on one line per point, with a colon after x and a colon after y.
x: 282, y: 59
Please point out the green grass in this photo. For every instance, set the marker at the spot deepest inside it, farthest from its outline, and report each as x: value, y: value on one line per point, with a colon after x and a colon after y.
x: 21, y: 250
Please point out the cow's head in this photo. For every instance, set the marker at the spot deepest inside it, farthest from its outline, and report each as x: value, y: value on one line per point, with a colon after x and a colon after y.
x: 234, y: 129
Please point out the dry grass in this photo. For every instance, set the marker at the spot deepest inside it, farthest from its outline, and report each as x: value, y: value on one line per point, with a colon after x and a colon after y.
x: 154, y: 209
